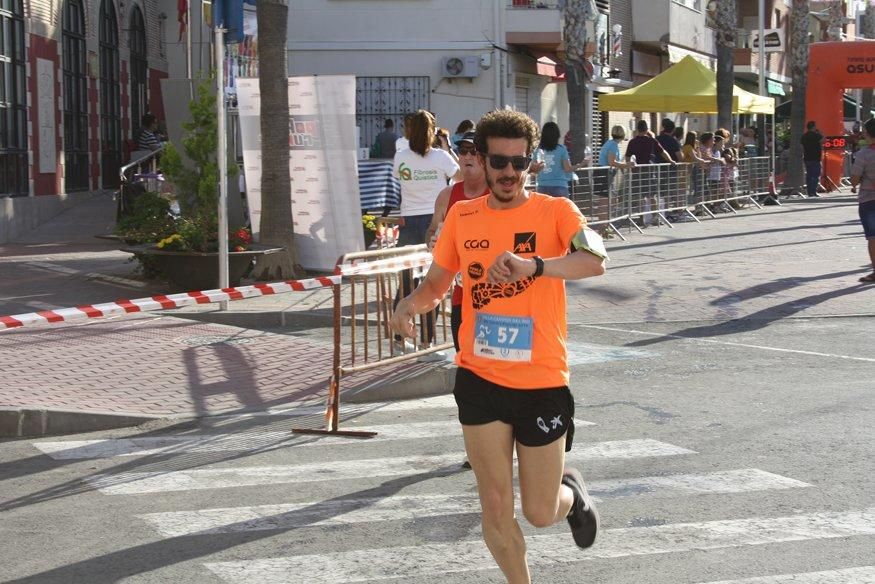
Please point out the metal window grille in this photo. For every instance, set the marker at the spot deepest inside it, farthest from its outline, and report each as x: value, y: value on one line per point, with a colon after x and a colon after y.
x: 139, y: 71
x: 110, y: 97
x: 75, y: 97
x: 13, y: 100
x: 380, y: 98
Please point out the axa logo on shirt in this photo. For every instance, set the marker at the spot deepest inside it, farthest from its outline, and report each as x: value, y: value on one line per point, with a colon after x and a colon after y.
x: 524, y: 242
x: 477, y: 244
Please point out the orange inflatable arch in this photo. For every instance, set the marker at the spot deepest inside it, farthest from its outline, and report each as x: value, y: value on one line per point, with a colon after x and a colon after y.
x: 832, y: 68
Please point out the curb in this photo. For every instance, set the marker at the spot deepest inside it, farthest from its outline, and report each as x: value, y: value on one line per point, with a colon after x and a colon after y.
x: 436, y: 380
x: 29, y: 422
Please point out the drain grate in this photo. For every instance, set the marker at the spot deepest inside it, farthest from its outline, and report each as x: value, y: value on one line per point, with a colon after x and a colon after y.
x: 205, y: 340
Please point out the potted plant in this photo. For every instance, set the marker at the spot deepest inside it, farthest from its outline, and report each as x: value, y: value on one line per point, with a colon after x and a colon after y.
x: 369, y: 227
x: 184, y: 247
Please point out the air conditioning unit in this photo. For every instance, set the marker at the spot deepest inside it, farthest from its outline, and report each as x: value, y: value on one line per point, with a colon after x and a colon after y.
x: 468, y: 66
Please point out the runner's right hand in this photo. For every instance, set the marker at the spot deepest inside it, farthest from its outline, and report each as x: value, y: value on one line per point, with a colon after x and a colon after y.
x: 403, y: 319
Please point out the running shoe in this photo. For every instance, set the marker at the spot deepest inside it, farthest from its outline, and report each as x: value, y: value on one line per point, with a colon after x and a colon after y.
x: 583, y: 518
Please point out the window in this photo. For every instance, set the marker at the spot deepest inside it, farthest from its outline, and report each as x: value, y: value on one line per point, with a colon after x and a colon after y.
x: 691, y: 4
x: 379, y: 98
x: 110, y: 99
x: 75, y: 98
x: 13, y: 100
x: 139, y: 71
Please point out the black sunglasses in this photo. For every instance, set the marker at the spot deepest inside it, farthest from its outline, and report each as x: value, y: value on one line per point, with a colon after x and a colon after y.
x: 499, y: 162
x: 467, y: 150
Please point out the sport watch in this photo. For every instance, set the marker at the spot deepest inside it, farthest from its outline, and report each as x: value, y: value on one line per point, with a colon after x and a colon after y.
x: 539, y: 266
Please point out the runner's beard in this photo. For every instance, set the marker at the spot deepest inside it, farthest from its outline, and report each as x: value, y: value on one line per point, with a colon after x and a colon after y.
x: 500, y: 186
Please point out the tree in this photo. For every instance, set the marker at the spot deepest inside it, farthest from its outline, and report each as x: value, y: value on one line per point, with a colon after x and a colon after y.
x: 726, y: 21
x: 799, y: 73
x: 868, y: 31
x: 577, y: 14
x: 835, y: 20
x: 277, y: 227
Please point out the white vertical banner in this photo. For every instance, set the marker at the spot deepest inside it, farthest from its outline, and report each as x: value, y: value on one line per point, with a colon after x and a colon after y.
x: 322, y: 164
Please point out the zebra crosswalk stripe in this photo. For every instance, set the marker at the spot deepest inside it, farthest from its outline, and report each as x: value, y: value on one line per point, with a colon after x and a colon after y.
x: 861, y: 575
x: 344, y: 511
x: 241, y: 442
x: 411, y: 562
x: 215, y: 478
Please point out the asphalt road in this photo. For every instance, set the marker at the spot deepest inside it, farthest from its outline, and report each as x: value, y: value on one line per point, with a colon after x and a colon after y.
x: 719, y: 453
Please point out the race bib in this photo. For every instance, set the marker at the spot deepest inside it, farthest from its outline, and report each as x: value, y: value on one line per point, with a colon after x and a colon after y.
x: 504, y: 338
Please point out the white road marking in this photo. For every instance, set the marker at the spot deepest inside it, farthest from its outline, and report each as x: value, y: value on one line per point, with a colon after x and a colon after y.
x: 731, y: 344
x: 410, y: 562
x: 220, y: 478
x: 127, y: 282
x: 348, y: 409
x: 53, y: 268
x: 587, y: 353
x: 242, y: 442
x: 409, y: 508
x: 861, y: 575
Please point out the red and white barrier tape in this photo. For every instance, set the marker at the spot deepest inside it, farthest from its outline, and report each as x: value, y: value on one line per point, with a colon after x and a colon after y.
x: 363, y: 267
x: 164, y: 302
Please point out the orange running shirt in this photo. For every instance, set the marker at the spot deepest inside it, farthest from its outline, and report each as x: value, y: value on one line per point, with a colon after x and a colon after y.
x: 473, y: 236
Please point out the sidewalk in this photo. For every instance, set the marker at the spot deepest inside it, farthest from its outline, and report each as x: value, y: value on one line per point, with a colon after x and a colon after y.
x: 802, y: 259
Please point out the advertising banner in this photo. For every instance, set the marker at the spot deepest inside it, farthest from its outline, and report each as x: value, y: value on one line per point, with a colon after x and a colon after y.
x: 323, y: 166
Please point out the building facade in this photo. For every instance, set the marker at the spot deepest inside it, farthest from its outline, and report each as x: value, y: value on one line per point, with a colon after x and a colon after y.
x: 78, y: 76
x: 456, y: 58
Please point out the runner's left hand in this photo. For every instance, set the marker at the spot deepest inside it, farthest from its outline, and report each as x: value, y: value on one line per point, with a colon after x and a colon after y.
x: 509, y: 267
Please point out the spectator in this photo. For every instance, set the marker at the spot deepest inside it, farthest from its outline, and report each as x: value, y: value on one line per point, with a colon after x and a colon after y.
x: 645, y: 149
x: 812, y: 151
x: 423, y: 172
x: 149, y: 138
x: 690, y: 152
x: 863, y: 175
x: 463, y: 128
x: 609, y: 157
x: 668, y: 176
x: 644, y: 146
x: 384, y: 144
x: 706, y: 153
x: 552, y: 166
x: 604, y: 175
x: 715, y: 172
x: 403, y: 143
x: 729, y: 171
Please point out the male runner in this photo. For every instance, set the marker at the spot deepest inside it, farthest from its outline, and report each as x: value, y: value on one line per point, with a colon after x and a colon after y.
x: 473, y: 185
x: 512, y: 381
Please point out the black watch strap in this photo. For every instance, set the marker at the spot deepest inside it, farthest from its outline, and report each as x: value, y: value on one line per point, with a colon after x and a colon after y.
x: 539, y: 266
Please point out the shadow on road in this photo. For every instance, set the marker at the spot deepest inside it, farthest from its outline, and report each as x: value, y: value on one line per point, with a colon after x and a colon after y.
x: 761, y: 318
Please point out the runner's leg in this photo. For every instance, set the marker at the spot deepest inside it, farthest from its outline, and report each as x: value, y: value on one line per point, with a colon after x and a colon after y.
x: 545, y: 500
x: 490, y: 450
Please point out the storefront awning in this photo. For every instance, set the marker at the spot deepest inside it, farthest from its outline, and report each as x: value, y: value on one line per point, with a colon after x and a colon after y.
x: 688, y: 86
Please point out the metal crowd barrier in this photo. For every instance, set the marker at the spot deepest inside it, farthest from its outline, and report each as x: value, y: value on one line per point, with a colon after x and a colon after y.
x: 662, y: 193
x: 363, y: 339
x: 136, y: 177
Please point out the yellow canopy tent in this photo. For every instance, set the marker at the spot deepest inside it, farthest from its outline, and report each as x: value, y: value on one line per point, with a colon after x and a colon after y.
x: 687, y: 86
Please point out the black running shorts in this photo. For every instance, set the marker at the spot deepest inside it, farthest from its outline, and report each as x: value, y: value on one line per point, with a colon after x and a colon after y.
x: 538, y: 416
